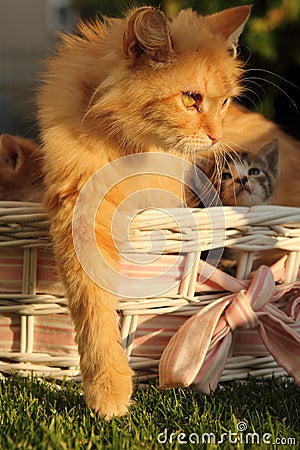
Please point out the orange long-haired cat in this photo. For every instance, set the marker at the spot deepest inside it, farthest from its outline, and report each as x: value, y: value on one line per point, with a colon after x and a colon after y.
x: 135, y: 85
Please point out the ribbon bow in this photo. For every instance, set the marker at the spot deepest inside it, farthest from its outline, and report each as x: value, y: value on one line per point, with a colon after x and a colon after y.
x: 197, y: 352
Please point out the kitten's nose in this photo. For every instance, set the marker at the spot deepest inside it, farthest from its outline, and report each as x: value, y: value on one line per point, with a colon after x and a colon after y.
x: 242, y: 180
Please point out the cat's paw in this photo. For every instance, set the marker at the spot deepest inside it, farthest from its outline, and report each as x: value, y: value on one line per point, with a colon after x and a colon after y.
x: 109, y: 395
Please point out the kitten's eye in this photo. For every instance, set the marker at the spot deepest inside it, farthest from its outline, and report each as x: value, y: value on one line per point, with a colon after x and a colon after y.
x: 191, y: 99
x: 226, y: 176
x: 254, y: 171
x: 225, y: 102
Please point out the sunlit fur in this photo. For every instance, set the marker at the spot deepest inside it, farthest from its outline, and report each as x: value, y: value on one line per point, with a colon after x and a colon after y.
x: 20, y: 169
x: 116, y: 89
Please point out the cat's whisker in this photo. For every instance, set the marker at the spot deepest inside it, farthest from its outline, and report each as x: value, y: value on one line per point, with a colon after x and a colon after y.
x: 246, y: 80
x: 219, y: 159
x: 249, y: 90
x: 233, y: 146
x: 277, y: 87
x: 215, y: 177
x: 233, y: 155
x: 275, y: 75
x: 206, y: 188
x: 245, y: 96
x: 220, y: 165
x: 237, y: 156
x: 183, y: 177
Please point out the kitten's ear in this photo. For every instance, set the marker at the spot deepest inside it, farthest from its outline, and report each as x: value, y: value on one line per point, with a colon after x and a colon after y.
x: 11, y: 154
x: 147, y: 33
x: 270, y: 154
x: 230, y: 23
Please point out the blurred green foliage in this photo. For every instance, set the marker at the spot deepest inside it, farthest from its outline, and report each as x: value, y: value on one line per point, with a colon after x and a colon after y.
x: 270, y: 45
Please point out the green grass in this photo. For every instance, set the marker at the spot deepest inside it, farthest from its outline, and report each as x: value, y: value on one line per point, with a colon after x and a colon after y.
x: 35, y: 414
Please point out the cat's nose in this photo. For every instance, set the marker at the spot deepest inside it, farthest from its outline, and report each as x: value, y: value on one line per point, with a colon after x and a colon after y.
x: 215, y: 138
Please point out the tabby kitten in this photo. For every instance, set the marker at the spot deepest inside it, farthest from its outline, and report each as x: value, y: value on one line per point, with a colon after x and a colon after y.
x: 20, y: 169
x: 118, y: 87
x: 249, y: 179
x: 245, y: 129
x: 235, y: 178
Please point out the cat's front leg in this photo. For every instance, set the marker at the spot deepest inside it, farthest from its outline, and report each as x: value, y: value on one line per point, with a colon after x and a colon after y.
x: 107, y: 377
x: 104, y: 365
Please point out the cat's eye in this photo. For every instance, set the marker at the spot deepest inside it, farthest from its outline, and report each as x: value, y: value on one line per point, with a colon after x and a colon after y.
x: 226, y: 176
x: 225, y: 102
x: 254, y: 171
x: 191, y: 99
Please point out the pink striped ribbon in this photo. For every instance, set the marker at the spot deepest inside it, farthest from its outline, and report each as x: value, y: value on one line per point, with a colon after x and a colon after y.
x: 197, y: 353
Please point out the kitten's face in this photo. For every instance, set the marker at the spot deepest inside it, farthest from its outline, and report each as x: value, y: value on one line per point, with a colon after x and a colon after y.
x: 249, y: 179
x: 175, y: 84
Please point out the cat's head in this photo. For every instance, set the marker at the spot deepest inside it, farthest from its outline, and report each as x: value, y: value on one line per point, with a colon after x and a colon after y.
x: 20, y: 169
x: 249, y: 179
x: 172, y: 80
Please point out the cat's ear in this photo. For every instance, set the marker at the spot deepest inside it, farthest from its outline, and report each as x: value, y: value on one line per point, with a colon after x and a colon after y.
x: 271, y: 155
x: 147, y: 34
x: 11, y: 154
x: 230, y: 23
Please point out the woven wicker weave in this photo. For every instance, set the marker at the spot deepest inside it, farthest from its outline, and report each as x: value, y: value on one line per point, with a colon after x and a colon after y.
x: 35, y: 329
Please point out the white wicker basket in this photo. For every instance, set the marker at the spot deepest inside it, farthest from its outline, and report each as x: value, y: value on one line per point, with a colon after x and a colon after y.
x: 36, y: 332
